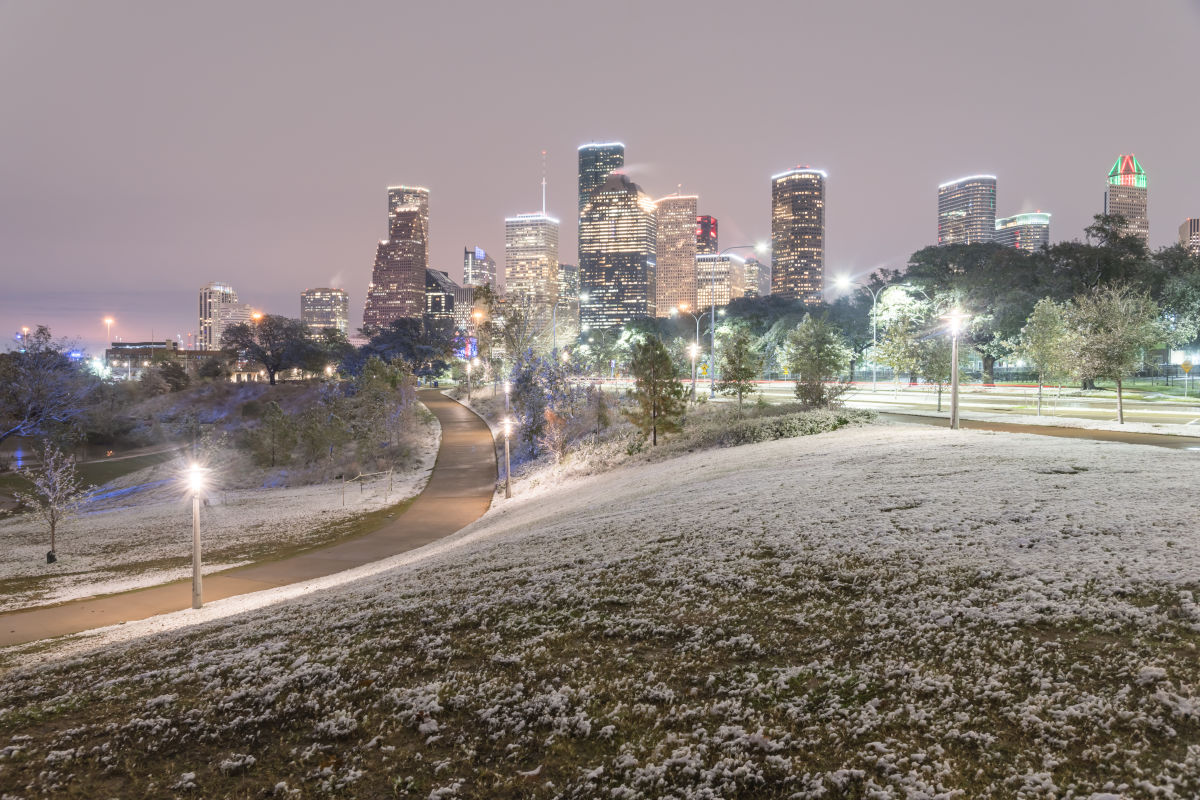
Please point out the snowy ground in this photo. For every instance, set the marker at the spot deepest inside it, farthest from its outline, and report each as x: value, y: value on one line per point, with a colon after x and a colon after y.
x: 138, y: 530
x: 878, y: 612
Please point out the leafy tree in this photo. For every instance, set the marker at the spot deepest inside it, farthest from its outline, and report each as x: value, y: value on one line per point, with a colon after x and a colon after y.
x: 56, y: 493
x: 852, y: 315
x: 212, y: 369
x: 933, y: 361
x: 816, y: 356
x: 175, y: 375
x: 383, y: 397
x: 661, y: 398
x: 1112, y: 327
x: 538, y: 384
x: 555, y: 434
x: 740, y: 364
x: 276, y: 342
x: 1044, y: 342
x: 152, y: 383
x: 273, y: 441
x: 42, y: 390
x: 425, y: 345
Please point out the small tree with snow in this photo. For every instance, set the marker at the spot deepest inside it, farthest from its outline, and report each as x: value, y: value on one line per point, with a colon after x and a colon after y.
x: 1112, y: 327
x: 57, y: 492
x: 661, y: 398
x: 817, y: 355
x: 1044, y: 342
x: 740, y: 364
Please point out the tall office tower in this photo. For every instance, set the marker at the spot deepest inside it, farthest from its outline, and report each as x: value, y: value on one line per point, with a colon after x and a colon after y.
x: 1029, y: 231
x: 1127, y: 196
x: 967, y: 210
x: 568, y: 283
x: 719, y: 277
x: 675, y: 253
x: 798, y: 234
x: 618, y: 234
x: 325, y: 308
x: 212, y: 297
x: 706, y: 234
x: 228, y: 315
x: 596, y: 163
x: 531, y: 261
x: 1189, y: 235
x: 398, y: 281
x: 757, y: 278
x: 479, y: 269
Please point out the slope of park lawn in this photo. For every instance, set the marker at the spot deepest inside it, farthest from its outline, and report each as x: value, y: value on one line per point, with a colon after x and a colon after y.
x: 882, y: 611
x: 137, y: 530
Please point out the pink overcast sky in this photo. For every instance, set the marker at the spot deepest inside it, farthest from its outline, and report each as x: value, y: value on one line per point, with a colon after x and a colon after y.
x: 151, y: 147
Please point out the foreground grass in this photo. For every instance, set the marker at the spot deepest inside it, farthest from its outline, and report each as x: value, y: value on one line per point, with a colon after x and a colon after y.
x: 767, y: 642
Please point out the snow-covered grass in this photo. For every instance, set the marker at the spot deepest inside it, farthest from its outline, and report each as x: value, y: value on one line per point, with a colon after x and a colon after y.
x: 1050, y: 420
x: 137, y: 530
x: 876, y: 612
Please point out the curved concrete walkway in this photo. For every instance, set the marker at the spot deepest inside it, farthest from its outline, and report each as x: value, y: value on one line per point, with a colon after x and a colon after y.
x: 459, y: 492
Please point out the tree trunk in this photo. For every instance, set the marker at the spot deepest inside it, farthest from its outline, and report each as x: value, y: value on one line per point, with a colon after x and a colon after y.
x: 853, y: 363
x: 989, y: 365
x: 1120, y: 404
x: 939, y: 398
x: 52, y: 526
x: 271, y: 376
x: 1039, y: 396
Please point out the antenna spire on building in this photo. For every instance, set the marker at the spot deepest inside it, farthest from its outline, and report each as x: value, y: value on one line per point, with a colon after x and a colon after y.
x: 543, y: 183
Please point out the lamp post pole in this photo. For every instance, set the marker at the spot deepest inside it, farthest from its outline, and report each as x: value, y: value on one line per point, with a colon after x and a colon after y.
x: 507, y: 460
x: 468, y: 381
x: 954, y: 381
x: 196, y: 481
x: 712, y: 372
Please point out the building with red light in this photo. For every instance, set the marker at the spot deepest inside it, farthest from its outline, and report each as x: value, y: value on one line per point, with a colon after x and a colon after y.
x: 706, y: 235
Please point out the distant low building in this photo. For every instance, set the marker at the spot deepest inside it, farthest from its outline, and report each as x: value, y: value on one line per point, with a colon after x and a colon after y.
x: 757, y: 277
x: 719, y: 279
x: 1189, y: 235
x: 1030, y: 231
x: 325, y: 308
x: 130, y: 359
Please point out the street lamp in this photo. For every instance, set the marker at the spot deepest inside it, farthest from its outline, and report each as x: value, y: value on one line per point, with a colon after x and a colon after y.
x: 712, y: 372
x: 955, y: 319
x: 507, y: 461
x: 507, y: 389
x: 109, y: 321
x: 694, y: 349
x: 470, y: 362
x: 195, y: 481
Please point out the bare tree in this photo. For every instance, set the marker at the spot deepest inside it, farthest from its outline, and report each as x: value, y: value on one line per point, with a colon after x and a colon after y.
x: 57, y: 492
x: 41, y: 388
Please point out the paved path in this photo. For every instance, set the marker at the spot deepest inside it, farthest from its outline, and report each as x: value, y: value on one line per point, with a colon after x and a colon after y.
x: 459, y: 492
x: 1127, y: 437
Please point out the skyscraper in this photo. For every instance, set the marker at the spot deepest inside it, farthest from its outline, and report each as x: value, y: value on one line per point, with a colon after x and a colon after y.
x: 325, y: 308
x: 441, y: 294
x: 798, y: 234
x: 1029, y: 231
x: 618, y: 234
x: 1126, y: 196
x: 1189, y: 235
x: 398, y: 281
x: 531, y: 260
x: 212, y: 297
x: 967, y: 210
x: 596, y: 163
x: 675, y: 253
x: 706, y: 234
x: 719, y: 277
x: 757, y: 278
x: 479, y: 269
x: 568, y: 283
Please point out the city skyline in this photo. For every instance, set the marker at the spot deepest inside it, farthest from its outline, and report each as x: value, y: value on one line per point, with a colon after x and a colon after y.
x: 247, y: 137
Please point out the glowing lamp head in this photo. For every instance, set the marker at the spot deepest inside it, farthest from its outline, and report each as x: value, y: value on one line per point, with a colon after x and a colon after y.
x: 256, y: 316
x: 566, y: 356
x: 955, y: 320
x: 507, y: 386
x: 843, y: 282
x: 762, y: 247
x: 693, y: 349
x: 108, y: 320
x: 507, y: 427
x: 475, y: 362
x: 195, y: 478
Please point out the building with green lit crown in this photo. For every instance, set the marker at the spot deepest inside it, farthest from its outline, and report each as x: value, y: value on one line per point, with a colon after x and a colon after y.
x: 1127, y: 196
